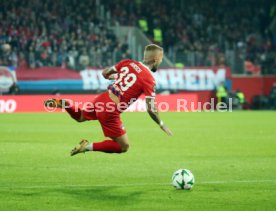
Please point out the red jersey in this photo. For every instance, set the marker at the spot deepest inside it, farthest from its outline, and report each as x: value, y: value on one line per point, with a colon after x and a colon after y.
x: 134, y: 78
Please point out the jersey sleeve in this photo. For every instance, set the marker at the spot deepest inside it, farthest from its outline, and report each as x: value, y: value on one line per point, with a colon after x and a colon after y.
x: 149, y: 89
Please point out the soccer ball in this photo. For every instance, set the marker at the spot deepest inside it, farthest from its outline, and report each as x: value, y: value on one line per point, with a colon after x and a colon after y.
x: 183, y: 179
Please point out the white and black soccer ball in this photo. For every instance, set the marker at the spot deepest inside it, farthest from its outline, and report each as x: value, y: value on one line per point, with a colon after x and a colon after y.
x: 183, y: 179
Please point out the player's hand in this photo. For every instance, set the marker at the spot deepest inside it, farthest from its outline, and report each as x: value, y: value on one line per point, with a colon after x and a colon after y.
x: 105, y: 73
x: 166, y: 130
x: 113, y: 76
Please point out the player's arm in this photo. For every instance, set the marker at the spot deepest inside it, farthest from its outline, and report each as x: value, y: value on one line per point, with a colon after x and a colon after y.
x: 154, y: 114
x: 109, y: 73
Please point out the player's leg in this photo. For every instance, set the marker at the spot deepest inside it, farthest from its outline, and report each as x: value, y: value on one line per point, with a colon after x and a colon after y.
x: 116, y: 145
x: 112, y: 127
x: 75, y: 112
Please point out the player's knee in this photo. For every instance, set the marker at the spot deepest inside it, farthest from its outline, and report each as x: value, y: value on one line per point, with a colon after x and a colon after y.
x: 124, y: 147
x: 81, y: 119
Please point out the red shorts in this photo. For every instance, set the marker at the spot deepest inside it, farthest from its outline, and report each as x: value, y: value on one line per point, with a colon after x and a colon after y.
x: 106, y: 112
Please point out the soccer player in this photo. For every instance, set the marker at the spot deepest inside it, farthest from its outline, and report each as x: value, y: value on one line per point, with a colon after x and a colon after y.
x: 132, y: 78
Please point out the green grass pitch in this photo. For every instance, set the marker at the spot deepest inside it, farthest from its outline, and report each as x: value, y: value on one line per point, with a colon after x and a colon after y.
x: 232, y: 155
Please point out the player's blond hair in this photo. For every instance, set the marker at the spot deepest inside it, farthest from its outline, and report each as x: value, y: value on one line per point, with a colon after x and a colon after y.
x: 152, y: 50
x: 153, y: 47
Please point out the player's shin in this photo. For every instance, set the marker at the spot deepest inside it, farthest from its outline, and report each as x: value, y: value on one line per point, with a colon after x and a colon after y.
x: 107, y: 146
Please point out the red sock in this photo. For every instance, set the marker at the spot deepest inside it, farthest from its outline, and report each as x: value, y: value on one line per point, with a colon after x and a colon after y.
x: 107, y: 146
x: 74, y: 112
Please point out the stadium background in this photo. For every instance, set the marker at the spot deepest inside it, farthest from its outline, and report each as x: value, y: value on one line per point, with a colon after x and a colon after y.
x: 50, y: 47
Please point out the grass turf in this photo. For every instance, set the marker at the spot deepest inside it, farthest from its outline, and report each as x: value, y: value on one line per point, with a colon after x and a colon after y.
x: 232, y: 156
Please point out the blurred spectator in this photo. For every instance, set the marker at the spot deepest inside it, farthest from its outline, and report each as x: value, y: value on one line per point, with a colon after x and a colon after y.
x: 83, y: 60
x: 241, y: 98
x: 6, y: 55
x: 71, y: 59
x: 251, y: 68
x: 221, y: 93
x: 31, y: 58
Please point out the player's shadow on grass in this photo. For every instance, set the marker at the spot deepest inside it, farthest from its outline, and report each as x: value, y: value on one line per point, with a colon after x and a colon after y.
x: 107, y: 194
x: 111, y: 195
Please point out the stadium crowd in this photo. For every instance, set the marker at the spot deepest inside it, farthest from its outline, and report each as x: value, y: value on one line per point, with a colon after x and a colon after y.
x: 210, y: 29
x: 56, y: 33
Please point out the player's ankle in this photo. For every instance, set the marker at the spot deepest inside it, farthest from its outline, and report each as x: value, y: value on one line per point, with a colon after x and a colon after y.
x: 64, y: 103
x: 89, y: 147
